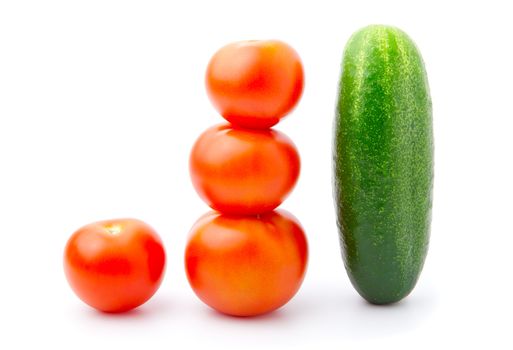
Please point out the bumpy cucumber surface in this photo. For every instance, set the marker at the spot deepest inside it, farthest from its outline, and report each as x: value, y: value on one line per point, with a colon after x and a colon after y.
x: 383, y: 163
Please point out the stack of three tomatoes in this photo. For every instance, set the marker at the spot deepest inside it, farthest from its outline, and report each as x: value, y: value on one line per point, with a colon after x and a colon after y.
x: 245, y: 258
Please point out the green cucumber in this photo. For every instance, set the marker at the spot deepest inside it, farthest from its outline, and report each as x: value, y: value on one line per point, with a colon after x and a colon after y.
x: 383, y: 163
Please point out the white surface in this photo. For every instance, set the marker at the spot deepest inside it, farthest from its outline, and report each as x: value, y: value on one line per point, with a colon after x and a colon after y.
x: 100, y: 102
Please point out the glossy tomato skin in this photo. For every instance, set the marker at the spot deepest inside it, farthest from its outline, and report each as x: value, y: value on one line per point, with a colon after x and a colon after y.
x: 253, y: 84
x: 240, y: 171
x: 246, y: 265
x: 115, y: 265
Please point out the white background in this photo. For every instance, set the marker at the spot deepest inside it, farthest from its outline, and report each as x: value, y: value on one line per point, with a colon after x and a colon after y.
x: 101, y: 101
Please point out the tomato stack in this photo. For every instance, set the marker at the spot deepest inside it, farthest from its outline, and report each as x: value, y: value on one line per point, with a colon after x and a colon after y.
x: 245, y: 258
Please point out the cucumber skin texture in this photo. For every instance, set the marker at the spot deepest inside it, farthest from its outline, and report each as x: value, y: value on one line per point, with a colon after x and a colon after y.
x: 383, y: 163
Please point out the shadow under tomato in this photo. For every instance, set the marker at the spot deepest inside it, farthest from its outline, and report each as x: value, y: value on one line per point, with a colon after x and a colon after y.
x: 152, y: 309
x: 276, y: 316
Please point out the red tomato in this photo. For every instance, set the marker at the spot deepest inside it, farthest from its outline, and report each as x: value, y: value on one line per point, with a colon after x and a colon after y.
x: 246, y: 265
x: 254, y: 84
x: 242, y: 171
x: 114, y: 265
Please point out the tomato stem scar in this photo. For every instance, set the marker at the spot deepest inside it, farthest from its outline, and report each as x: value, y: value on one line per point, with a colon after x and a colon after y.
x: 114, y: 229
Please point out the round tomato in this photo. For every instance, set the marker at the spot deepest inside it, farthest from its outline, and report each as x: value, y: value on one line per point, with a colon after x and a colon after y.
x: 255, y: 83
x: 114, y: 265
x: 242, y: 171
x: 246, y: 265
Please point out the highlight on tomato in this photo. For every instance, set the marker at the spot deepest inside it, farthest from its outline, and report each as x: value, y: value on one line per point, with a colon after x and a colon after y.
x: 246, y: 265
x: 115, y: 265
x: 241, y: 171
x: 254, y: 84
